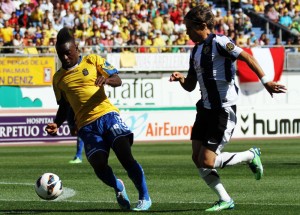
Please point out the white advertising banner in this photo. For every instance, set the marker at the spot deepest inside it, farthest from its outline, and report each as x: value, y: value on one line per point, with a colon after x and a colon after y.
x: 153, y: 62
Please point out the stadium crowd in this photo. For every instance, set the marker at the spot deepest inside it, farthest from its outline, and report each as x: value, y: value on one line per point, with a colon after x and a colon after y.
x: 140, y: 26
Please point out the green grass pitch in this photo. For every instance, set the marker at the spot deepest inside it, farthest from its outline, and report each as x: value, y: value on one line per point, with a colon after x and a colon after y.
x: 173, y: 181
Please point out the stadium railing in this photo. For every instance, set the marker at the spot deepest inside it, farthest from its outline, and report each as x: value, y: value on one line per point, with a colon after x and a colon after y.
x: 292, y: 52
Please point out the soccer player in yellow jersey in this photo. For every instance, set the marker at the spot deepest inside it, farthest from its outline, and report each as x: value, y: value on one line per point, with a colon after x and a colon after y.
x: 79, y: 83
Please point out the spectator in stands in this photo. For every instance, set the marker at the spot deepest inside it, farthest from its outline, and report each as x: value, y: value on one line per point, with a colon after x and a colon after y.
x: 158, y: 43
x: 174, y: 15
x: 98, y: 46
x: 8, y: 7
x: 182, y: 39
x: 132, y: 42
x: 24, y: 19
x: 13, y: 21
x: 289, y: 46
x: 143, y: 11
x: 267, y: 42
x: 247, y: 25
x: 241, y: 39
x: 88, y: 49
x: 219, y: 29
x: 157, y: 21
x: 48, y: 16
x: 277, y: 42
x: 7, y: 33
x: 57, y: 24
x: 167, y: 26
x: 47, y: 6
x: 285, y: 20
x: 232, y: 36
x: 68, y: 19
x: 1, y: 19
x: 180, y: 26
x: 37, y: 16
x: 115, y: 27
x: 162, y: 8
x: 272, y: 14
x: 123, y: 20
x: 18, y: 30
x: 110, y: 43
x: 145, y: 26
x: 262, y: 39
x: 137, y: 30
x: 76, y: 5
x: 240, y: 14
x: 18, y: 42
x: 31, y: 49
x: 62, y: 11
x: 218, y: 16
x: 118, y: 43
x: 142, y: 48
x: 259, y: 7
x: 125, y: 33
x: 228, y: 18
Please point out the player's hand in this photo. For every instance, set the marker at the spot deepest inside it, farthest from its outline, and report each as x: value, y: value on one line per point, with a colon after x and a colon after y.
x: 51, y: 129
x: 274, y: 87
x: 100, y: 81
x: 177, y: 76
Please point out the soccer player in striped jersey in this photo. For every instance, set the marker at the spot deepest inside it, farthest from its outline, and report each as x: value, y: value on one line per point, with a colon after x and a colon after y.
x: 212, y: 66
x: 79, y: 83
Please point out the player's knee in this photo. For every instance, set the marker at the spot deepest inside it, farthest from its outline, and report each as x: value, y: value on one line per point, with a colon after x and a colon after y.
x: 98, y: 162
x: 206, y: 163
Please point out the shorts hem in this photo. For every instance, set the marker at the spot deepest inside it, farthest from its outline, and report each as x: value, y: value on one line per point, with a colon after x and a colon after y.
x: 88, y: 157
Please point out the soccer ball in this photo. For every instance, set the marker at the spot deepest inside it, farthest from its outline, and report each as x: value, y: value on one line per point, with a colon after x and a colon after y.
x: 48, y: 186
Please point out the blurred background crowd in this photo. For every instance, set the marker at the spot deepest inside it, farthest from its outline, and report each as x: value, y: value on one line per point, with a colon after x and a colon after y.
x: 105, y: 26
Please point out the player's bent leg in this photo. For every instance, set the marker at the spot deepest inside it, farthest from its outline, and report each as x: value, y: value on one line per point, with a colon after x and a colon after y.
x: 134, y: 170
x: 99, y: 162
x: 256, y: 164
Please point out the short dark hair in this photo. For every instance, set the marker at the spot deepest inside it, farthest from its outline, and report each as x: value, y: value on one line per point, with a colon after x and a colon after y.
x: 200, y: 15
x: 65, y: 35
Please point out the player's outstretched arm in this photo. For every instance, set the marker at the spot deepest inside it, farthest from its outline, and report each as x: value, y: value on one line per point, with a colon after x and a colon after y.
x: 271, y: 86
x: 61, y: 116
x: 114, y: 81
x: 188, y: 83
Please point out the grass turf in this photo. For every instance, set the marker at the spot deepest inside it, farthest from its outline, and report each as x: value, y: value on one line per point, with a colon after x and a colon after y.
x: 173, y: 181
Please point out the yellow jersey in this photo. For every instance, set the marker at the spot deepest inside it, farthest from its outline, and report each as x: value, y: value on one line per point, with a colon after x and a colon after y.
x: 77, y: 86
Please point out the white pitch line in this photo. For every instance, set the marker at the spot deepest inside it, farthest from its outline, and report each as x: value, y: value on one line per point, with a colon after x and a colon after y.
x: 68, y: 193
x: 161, y: 202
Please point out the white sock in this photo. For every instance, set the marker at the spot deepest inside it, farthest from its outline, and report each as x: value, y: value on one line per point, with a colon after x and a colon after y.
x: 212, y: 179
x: 232, y: 158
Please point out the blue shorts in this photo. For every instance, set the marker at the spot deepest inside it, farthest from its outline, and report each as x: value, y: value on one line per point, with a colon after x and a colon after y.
x: 101, y: 134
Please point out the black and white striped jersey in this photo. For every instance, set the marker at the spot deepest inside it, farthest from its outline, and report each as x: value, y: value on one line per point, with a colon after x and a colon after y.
x: 212, y: 62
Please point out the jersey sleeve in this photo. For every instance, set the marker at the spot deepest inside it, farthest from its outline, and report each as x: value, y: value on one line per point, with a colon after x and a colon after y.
x: 227, y: 48
x: 104, y: 67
